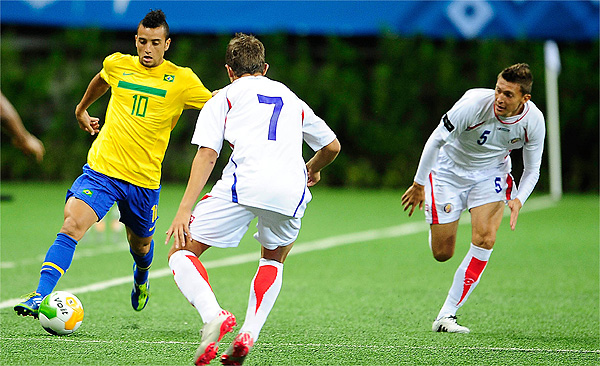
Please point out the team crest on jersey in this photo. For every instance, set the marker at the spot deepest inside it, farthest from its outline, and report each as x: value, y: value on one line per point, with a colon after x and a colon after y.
x: 447, y: 207
x: 169, y: 78
x: 87, y: 192
x: 515, y: 140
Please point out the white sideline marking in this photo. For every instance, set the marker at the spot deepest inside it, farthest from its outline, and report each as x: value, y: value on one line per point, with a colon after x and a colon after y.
x: 311, y: 345
x: 79, y: 253
x: 334, y: 241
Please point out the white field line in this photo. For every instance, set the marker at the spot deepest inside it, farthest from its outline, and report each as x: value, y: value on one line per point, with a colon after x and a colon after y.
x: 334, y: 241
x: 313, y: 345
x: 79, y: 253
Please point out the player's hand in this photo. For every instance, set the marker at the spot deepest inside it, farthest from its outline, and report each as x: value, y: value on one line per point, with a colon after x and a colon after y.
x: 87, y: 123
x: 313, y: 178
x: 413, y: 197
x: 179, y: 230
x: 515, y: 206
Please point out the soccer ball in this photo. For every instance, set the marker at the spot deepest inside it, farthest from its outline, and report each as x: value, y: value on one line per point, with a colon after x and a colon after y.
x: 61, y: 313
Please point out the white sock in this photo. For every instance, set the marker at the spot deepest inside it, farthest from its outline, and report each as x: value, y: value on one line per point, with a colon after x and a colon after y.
x: 192, y: 280
x: 430, y: 247
x: 466, y: 278
x: 264, y: 290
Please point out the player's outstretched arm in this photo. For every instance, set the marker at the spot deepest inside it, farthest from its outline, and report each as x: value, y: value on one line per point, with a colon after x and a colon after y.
x: 515, y: 206
x: 413, y: 197
x: 320, y: 160
x: 21, y: 138
x: 95, y: 90
x: 203, y: 164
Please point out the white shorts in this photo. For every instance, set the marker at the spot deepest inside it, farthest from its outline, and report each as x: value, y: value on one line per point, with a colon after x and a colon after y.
x: 451, y: 190
x: 221, y: 223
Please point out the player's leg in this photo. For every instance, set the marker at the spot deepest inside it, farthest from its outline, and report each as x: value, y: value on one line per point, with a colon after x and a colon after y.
x: 445, y: 200
x: 192, y: 280
x: 277, y: 234
x: 485, y: 221
x: 443, y: 240
x: 214, y: 222
x: 139, y: 212
x: 142, y: 252
x: 265, y: 288
x: 87, y: 202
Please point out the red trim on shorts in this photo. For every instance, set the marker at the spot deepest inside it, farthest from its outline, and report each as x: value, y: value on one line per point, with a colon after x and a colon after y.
x: 434, y: 215
x: 509, y: 186
x: 205, y: 197
x: 200, y: 268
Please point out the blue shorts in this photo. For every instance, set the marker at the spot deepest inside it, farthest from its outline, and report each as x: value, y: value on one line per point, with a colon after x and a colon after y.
x: 138, y: 206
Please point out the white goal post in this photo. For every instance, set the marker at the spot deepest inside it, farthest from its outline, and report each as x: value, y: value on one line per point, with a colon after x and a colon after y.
x: 552, y: 63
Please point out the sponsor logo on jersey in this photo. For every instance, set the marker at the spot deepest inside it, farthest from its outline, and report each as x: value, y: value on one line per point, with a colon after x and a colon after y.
x: 169, y: 78
x: 515, y: 140
x: 88, y: 192
x: 504, y: 129
x: 127, y: 73
x: 449, y: 126
x: 447, y: 207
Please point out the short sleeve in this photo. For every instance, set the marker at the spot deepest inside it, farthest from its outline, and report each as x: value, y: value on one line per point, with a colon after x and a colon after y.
x: 107, y: 66
x: 315, y: 131
x: 196, y: 94
x: 210, y: 126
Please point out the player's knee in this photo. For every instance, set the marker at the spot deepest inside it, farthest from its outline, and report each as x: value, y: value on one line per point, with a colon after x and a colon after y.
x: 486, y: 241
x: 443, y: 249
x: 73, y: 228
x: 442, y: 255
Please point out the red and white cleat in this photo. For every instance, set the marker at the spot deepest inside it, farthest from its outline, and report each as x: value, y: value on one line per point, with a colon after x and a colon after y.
x: 211, y: 334
x: 239, y: 349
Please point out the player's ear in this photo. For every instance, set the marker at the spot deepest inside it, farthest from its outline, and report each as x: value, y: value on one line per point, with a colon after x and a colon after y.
x: 230, y: 73
x: 526, y: 98
x: 266, y: 68
x: 167, y: 43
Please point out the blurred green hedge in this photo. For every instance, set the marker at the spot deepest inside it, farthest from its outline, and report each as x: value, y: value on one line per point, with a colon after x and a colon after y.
x: 382, y: 96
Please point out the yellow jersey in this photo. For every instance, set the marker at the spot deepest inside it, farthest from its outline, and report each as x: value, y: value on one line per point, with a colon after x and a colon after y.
x: 144, y: 107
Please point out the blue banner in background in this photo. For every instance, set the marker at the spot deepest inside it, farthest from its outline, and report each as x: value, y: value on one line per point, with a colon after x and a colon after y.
x: 516, y: 19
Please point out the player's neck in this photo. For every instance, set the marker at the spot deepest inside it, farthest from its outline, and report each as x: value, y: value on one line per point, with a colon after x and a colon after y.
x: 247, y: 74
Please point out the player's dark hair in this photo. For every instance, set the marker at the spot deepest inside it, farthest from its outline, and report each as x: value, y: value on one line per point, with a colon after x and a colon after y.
x: 519, y: 74
x: 245, y: 55
x: 154, y: 19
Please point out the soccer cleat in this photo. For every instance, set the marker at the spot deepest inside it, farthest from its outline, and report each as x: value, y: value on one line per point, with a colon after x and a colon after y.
x: 30, y: 305
x: 210, y: 336
x: 239, y: 349
x: 140, y: 295
x: 448, y: 324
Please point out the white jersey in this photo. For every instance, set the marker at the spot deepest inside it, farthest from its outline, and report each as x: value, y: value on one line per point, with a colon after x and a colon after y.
x: 475, y: 138
x: 265, y: 124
